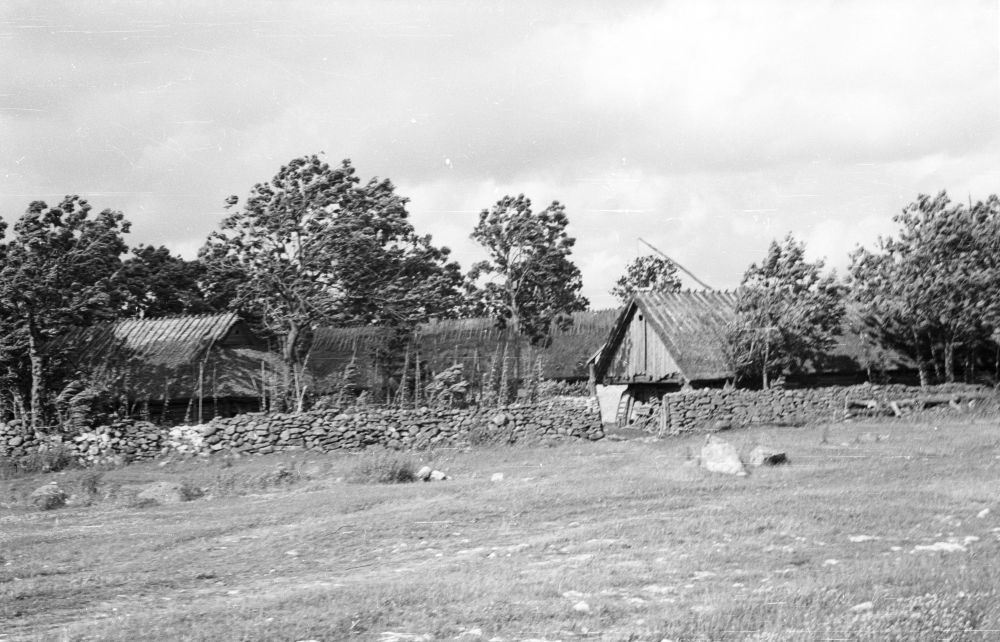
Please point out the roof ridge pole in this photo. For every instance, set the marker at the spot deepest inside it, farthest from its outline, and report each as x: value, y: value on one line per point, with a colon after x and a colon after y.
x: 681, y: 267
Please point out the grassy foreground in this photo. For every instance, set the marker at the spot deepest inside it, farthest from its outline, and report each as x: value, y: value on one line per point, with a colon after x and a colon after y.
x: 875, y: 531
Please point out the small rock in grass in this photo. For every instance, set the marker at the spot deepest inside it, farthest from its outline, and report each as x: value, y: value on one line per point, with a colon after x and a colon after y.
x: 49, y: 496
x: 831, y: 562
x: 496, y: 477
x: 764, y: 456
x: 863, y: 607
x: 424, y: 473
x: 983, y: 513
x: 437, y: 475
x: 857, y: 539
x: 581, y: 607
x: 719, y: 456
x: 166, y: 492
x: 471, y: 633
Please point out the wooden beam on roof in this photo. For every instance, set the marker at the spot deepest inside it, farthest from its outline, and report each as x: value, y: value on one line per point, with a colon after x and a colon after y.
x: 679, y: 266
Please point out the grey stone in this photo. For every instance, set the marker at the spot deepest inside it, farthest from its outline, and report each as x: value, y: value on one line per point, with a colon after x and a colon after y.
x: 719, y: 456
x: 437, y: 475
x: 764, y: 456
x: 166, y: 492
x: 49, y: 496
x: 424, y: 473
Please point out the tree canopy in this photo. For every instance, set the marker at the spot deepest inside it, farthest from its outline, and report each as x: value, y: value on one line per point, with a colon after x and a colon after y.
x: 787, y: 313
x: 933, y: 292
x: 316, y: 246
x: 59, y: 270
x: 647, y: 273
x: 158, y: 283
x: 529, y: 281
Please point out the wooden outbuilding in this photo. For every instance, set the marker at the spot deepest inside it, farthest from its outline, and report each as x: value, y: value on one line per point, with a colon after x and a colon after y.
x: 663, y: 342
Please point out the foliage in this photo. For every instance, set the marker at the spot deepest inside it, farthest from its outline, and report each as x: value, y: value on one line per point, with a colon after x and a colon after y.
x: 378, y: 466
x: 59, y: 270
x: 51, y: 458
x: 531, y: 283
x: 315, y: 246
x: 157, y: 283
x: 933, y: 292
x: 449, y: 387
x: 647, y: 273
x: 787, y: 313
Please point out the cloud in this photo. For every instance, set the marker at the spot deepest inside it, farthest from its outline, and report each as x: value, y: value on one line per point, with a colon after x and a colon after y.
x: 707, y: 128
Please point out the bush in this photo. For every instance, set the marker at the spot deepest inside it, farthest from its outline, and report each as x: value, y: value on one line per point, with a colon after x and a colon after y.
x: 384, y: 467
x: 50, y: 459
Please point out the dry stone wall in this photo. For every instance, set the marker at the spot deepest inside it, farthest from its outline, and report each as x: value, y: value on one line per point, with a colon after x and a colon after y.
x: 565, y: 418
x: 708, y: 409
x: 402, y: 429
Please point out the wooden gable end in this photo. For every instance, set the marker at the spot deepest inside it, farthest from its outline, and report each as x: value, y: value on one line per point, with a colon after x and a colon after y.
x: 640, y: 354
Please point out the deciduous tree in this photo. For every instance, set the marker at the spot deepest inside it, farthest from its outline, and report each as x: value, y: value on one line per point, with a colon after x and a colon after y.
x: 647, y: 273
x: 933, y: 292
x: 787, y: 313
x: 59, y: 270
x: 529, y: 281
x: 316, y: 246
x: 158, y: 283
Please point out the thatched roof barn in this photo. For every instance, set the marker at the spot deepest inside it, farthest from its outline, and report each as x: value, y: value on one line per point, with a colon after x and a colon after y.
x: 170, y: 367
x: 679, y: 338
x: 470, y: 342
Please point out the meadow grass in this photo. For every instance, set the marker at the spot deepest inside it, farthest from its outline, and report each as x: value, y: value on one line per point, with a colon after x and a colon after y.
x: 613, y: 540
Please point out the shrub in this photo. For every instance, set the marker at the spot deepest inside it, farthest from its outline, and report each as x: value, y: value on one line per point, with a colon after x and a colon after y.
x: 50, y: 459
x: 384, y: 467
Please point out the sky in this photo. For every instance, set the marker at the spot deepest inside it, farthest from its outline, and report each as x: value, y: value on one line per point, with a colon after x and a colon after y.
x: 706, y: 128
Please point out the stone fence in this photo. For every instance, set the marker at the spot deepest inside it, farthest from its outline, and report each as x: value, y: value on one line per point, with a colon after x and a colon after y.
x: 705, y: 409
x: 323, y: 430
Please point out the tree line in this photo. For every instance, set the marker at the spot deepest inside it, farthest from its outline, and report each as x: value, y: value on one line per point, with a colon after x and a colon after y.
x: 316, y: 245
x: 313, y: 246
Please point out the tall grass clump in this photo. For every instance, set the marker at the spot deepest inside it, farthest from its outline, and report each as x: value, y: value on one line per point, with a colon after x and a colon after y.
x: 379, y: 466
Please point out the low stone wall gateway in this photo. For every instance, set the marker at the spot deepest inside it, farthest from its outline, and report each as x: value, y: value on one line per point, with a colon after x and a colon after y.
x: 706, y: 409
x: 562, y: 418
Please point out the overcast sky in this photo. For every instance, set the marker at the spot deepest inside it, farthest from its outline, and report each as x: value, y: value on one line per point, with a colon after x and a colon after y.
x: 706, y: 128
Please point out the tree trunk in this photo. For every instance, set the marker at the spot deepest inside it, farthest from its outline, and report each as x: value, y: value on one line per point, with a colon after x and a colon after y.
x: 949, y: 361
x: 37, y: 373
x: 515, y: 326
x: 288, y: 356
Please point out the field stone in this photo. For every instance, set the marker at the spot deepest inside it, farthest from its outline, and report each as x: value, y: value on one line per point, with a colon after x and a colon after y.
x: 719, y: 456
x: 764, y: 456
x: 165, y: 492
x: 49, y: 496
x: 424, y: 473
x: 437, y: 475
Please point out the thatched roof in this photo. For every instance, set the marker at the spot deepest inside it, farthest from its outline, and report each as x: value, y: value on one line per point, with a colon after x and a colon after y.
x: 693, y: 326
x: 471, y: 342
x: 172, y: 357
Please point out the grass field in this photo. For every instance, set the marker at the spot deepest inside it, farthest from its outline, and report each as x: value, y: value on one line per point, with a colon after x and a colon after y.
x: 874, y: 531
